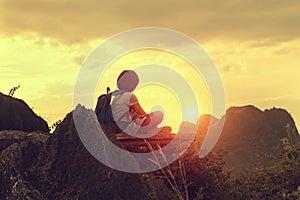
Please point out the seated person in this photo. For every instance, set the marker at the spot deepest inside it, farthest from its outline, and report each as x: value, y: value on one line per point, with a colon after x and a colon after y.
x: 127, y: 112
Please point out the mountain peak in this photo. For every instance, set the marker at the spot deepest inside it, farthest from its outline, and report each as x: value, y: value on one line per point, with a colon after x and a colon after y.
x: 15, y: 114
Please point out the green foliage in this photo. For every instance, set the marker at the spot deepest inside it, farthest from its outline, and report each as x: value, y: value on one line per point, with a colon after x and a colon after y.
x: 280, y: 181
x: 210, y: 178
x: 189, y: 173
x: 200, y: 179
x: 178, y: 184
x: 291, y: 147
x: 295, y: 195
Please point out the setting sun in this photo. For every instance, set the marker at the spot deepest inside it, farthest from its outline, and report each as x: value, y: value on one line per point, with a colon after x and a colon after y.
x: 258, y: 65
x: 153, y: 93
x: 203, y: 99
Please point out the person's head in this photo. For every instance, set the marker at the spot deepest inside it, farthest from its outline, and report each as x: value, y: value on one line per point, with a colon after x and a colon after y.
x: 127, y: 80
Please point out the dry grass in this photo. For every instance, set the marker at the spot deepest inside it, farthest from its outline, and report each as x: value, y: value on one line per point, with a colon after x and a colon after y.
x: 181, y: 191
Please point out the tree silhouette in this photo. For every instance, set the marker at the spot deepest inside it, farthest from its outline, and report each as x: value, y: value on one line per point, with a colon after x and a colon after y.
x: 12, y: 90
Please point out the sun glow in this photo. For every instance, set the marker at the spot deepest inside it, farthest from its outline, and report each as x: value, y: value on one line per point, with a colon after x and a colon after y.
x: 154, y: 94
x: 46, y: 70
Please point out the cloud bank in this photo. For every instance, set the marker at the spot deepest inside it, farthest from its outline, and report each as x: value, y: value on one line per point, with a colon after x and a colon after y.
x: 76, y: 21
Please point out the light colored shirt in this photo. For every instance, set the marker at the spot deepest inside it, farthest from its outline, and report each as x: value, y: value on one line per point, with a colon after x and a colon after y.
x: 125, y: 119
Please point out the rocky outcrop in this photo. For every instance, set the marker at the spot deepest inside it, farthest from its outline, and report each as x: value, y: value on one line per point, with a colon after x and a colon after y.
x: 252, y: 137
x: 19, y: 153
x: 15, y: 114
x: 58, y: 166
x: 39, y: 165
x: 187, y: 128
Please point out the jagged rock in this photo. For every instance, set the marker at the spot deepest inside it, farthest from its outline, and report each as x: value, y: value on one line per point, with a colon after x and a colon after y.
x: 15, y: 114
x: 252, y: 137
x: 279, y: 118
x: 19, y: 152
x: 38, y: 166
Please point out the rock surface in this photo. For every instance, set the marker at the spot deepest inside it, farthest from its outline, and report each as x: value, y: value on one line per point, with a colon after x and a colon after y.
x: 252, y: 137
x: 19, y: 153
x: 15, y: 114
x: 39, y: 165
x: 58, y: 166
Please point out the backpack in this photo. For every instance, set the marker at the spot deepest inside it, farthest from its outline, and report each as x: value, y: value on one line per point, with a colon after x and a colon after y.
x: 104, y: 113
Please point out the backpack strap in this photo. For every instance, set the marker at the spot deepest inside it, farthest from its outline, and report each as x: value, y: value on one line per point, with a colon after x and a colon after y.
x: 108, y: 91
x: 117, y: 92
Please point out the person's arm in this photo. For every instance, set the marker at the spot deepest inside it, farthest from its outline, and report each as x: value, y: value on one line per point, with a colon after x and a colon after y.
x: 136, y: 106
x: 138, y: 109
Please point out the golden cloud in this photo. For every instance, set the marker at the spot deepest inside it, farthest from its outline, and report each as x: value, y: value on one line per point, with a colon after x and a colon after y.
x: 76, y: 21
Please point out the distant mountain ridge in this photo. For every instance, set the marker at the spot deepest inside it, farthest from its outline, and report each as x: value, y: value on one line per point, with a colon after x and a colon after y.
x: 39, y: 165
x: 250, y: 137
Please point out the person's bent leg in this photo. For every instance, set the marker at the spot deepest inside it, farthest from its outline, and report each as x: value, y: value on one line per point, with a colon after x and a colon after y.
x: 153, y: 120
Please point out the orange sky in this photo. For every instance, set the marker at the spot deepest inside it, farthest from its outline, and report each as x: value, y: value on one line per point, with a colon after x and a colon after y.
x: 254, y: 44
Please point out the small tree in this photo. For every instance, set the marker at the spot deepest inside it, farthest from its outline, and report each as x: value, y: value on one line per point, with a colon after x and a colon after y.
x: 13, y: 90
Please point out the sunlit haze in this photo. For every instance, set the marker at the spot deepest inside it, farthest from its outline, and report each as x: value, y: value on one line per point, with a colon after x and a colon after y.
x: 255, y: 47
